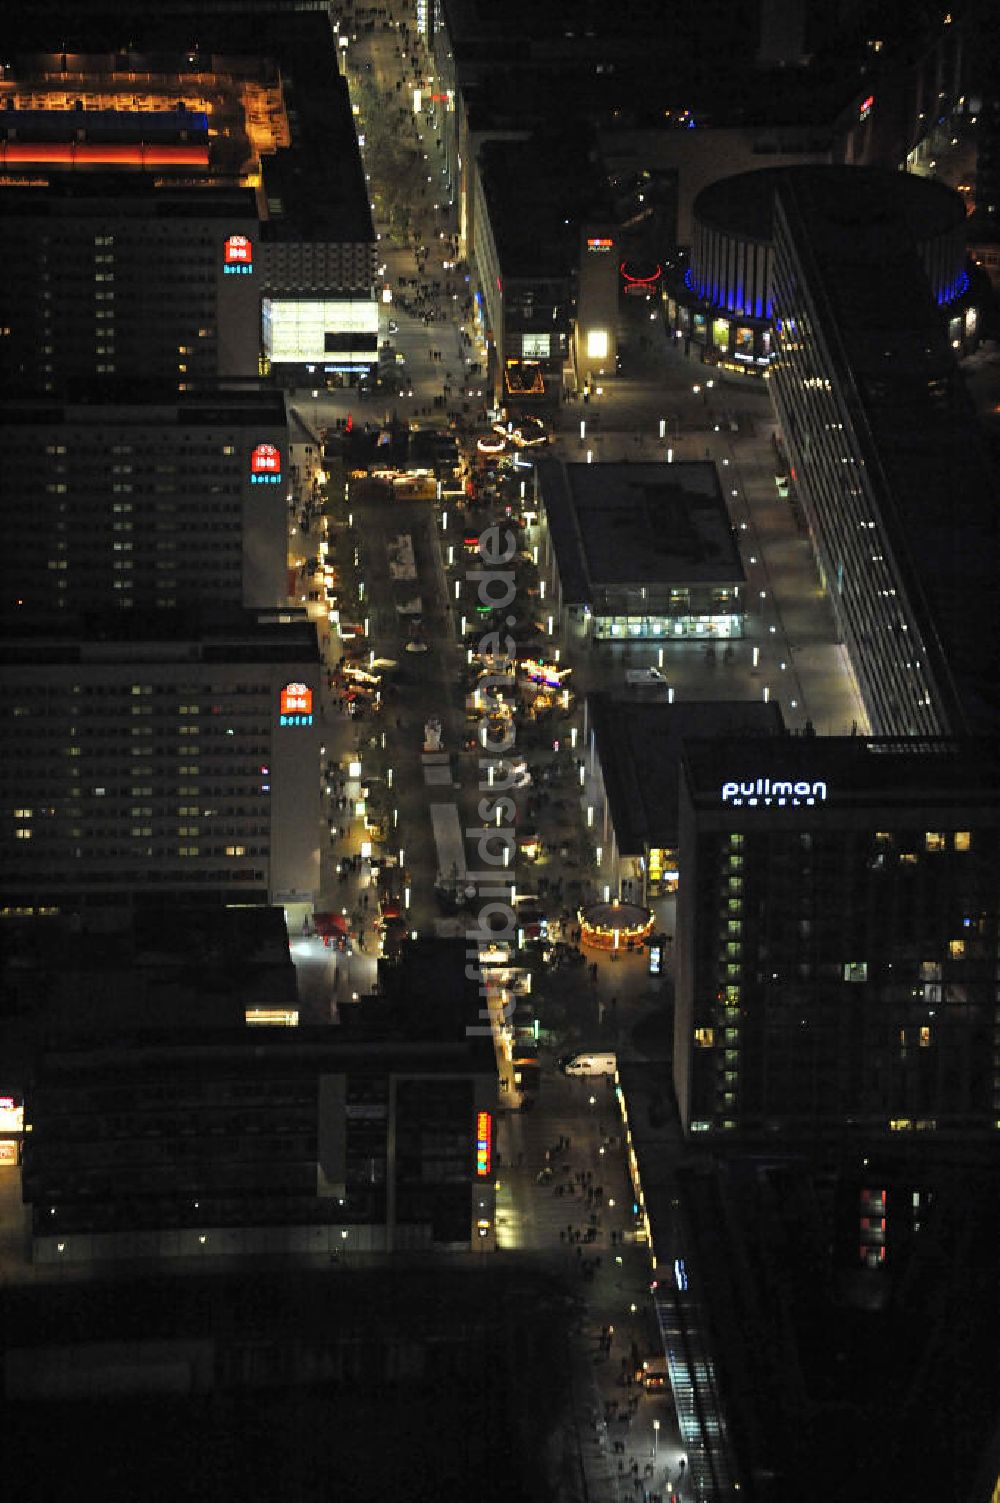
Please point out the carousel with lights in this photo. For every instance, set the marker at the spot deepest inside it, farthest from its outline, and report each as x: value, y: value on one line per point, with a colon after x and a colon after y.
x: 614, y: 925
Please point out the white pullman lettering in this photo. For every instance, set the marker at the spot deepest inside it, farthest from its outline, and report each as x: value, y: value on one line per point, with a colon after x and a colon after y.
x: 751, y: 792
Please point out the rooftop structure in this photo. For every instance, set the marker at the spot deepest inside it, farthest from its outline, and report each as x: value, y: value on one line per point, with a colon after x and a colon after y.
x: 231, y: 231
x: 647, y: 549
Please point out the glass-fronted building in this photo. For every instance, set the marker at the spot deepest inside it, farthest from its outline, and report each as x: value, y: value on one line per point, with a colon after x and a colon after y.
x: 640, y: 552
x: 890, y: 464
x: 718, y: 300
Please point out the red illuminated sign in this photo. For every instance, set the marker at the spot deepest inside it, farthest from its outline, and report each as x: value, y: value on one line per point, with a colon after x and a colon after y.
x: 600, y: 243
x: 645, y: 281
x: 296, y: 699
x: 484, y: 1144
x: 265, y: 465
x: 238, y: 249
x: 866, y: 107
x: 237, y: 257
x: 99, y: 154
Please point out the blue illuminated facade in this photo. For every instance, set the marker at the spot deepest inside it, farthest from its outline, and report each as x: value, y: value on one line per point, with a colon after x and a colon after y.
x: 721, y: 303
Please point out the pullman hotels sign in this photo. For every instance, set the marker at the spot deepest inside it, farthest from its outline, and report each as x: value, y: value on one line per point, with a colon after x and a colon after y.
x: 768, y: 792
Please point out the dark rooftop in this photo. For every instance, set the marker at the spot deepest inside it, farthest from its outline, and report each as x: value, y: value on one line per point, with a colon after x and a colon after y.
x: 539, y: 193
x: 315, y: 188
x: 744, y: 203
x: 126, y: 194
x: 939, y: 497
x: 856, y: 769
x: 121, y: 401
x: 634, y: 524
x: 640, y: 746
x: 213, y: 635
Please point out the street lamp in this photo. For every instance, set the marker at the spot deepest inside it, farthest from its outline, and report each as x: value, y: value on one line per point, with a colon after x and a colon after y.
x: 656, y: 1438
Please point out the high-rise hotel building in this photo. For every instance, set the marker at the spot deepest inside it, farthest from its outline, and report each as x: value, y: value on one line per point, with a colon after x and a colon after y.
x: 160, y: 758
x: 125, y: 276
x: 165, y: 501
x: 838, y: 939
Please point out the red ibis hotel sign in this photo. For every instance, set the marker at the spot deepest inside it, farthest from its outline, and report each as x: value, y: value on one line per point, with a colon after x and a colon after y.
x: 237, y: 257
x: 265, y: 465
x: 296, y: 705
x: 484, y: 1144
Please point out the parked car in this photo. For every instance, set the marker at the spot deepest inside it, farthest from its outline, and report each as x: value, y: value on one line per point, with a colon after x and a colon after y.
x: 594, y: 1062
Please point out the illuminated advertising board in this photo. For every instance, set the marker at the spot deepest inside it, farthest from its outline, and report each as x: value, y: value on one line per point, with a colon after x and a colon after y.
x: 484, y: 1144
x: 265, y: 465
x: 296, y: 705
x: 237, y: 257
x: 341, y: 332
x: 11, y: 1114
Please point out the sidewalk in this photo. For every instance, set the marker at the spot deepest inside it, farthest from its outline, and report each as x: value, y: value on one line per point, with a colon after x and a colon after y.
x: 613, y: 1423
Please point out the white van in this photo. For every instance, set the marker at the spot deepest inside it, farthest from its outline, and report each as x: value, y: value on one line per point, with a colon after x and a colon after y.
x: 593, y: 1062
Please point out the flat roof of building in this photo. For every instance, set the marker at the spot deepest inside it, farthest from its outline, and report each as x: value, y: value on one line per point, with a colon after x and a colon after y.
x: 209, y: 635
x: 640, y: 746
x: 538, y: 193
x: 937, y: 487
x: 315, y: 188
x: 624, y: 66
x: 635, y: 524
x: 158, y: 403
x: 127, y: 195
x: 744, y: 203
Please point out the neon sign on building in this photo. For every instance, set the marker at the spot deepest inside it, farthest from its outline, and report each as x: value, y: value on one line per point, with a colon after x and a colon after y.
x: 762, y: 791
x: 484, y: 1144
x: 600, y: 243
x: 238, y: 257
x: 265, y: 465
x: 296, y: 705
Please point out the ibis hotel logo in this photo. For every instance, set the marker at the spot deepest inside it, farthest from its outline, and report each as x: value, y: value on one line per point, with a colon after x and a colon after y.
x: 237, y: 257
x: 765, y: 792
x: 296, y: 705
x: 265, y: 465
